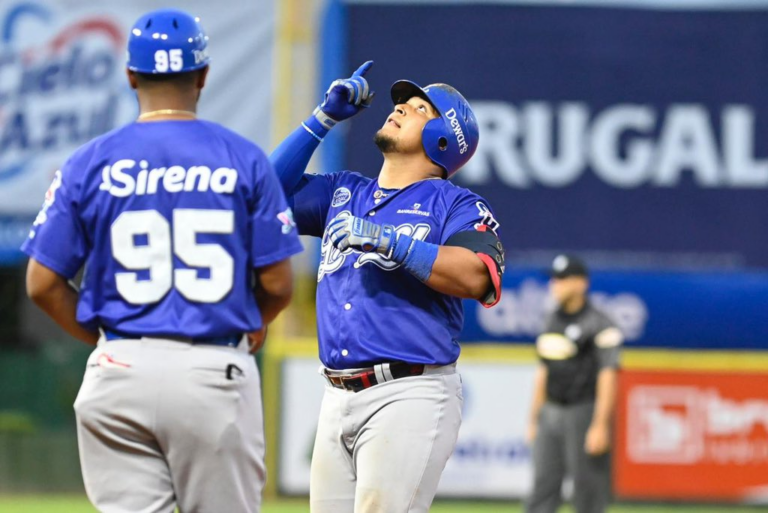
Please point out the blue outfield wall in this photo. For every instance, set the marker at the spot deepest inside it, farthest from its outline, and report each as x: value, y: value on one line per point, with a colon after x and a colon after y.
x: 721, y: 311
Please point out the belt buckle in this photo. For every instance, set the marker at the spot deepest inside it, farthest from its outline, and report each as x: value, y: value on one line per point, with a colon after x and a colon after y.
x: 334, y: 381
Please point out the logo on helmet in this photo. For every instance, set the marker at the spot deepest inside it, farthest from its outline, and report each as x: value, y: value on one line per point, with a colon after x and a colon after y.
x: 200, y: 55
x: 456, y: 126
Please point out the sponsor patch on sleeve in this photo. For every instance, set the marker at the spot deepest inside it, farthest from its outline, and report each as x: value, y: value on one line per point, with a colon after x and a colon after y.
x: 50, y: 197
x: 286, y: 217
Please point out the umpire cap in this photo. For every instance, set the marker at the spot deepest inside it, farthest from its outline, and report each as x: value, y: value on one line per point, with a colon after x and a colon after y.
x: 564, y: 266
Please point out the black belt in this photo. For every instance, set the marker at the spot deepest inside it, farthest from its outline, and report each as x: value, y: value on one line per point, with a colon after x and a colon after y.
x: 368, y: 378
x: 228, y: 341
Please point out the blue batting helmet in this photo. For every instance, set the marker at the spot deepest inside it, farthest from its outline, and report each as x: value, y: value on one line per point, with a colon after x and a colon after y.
x: 167, y: 41
x: 450, y: 140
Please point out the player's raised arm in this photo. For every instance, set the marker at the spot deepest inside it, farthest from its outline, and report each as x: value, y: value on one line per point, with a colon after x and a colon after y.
x: 343, y: 99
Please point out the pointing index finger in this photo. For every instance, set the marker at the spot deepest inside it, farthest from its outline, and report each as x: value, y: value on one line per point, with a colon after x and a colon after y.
x: 362, y: 70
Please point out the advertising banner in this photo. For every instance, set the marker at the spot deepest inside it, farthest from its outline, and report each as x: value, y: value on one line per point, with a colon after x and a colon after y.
x: 491, y: 459
x: 653, y: 309
x: 692, y: 436
x: 62, y: 82
x: 636, y: 128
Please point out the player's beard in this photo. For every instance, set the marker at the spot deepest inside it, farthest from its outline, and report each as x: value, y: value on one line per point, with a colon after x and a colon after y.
x: 385, y: 143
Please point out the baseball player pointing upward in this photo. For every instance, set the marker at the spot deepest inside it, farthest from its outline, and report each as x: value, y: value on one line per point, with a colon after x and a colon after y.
x: 175, y: 219
x: 398, y: 254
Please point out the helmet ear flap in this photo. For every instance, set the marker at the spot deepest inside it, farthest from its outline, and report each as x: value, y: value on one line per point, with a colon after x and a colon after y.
x: 450, y: 140
x: 435, y: 142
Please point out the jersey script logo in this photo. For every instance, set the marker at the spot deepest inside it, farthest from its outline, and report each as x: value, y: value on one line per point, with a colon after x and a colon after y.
x: 332, y: 259
x: 121, y: 179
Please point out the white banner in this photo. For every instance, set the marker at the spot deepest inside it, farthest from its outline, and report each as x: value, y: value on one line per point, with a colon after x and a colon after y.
x: 62, y: 80
x: 491, y: 459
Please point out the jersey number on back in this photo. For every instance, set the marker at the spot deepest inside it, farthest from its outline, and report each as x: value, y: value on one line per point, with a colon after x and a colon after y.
x: 156, y: 255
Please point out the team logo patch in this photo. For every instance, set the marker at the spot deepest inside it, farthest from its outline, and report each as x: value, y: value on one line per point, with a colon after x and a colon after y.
x: 341, y: 197
x: 50, y: 197
x: 286, y: 217
x: 573, y: 332
x: 487, y: 218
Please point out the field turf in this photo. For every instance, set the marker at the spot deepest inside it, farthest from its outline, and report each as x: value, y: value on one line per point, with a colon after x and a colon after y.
x: 75, y: 504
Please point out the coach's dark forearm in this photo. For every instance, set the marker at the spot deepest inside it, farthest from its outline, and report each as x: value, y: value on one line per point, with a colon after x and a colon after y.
x: 57, y: 298
x: 539, y: 392
x: 605, y: 400
x: 459, y: 272
x: 274, y: 289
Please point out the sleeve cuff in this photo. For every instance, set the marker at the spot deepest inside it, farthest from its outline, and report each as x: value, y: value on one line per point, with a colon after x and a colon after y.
x: 51, y: 263
x: 320, y: 123
x: 278, y: 256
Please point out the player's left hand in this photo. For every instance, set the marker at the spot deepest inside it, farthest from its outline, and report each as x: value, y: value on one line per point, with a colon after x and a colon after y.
x: 361, y: 235
x: 345, y: 97
x: 598, y: 440
x: 256, y: 339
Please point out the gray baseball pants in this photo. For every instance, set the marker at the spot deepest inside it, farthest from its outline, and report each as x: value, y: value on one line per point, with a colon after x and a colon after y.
x: 558, y: 451
x: 163, y: 424
x: 383, y: 449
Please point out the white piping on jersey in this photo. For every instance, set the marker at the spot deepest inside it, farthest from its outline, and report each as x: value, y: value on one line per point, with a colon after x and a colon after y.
x: 119, y: 183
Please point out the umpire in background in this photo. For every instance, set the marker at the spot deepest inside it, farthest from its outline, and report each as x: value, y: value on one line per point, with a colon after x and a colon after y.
x: 574, y: 396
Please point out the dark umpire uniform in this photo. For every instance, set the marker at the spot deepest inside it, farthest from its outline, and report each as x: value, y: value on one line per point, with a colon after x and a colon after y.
x: 576, y: 345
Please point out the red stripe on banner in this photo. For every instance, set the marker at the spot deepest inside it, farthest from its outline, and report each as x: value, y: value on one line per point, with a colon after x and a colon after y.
x: 85, y: 26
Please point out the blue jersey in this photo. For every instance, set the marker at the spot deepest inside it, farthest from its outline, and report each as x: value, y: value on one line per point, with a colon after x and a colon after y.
x: 371, y: 311
x: 169, y: 219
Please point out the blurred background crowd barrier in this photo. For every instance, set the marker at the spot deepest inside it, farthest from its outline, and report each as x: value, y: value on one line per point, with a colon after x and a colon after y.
x: 631, y: 132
